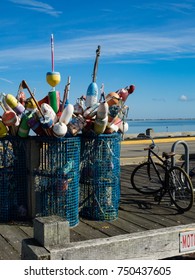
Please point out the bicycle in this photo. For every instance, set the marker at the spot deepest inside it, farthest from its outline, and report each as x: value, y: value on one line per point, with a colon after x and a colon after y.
x: 159, y: 178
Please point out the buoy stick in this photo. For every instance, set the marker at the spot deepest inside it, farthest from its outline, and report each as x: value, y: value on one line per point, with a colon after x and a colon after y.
x: 66, y: 93
x: 24, y: 85
x: 96, y: 64
x: 52, y: 53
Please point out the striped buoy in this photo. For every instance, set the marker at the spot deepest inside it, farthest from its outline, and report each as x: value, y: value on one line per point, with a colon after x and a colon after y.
x: 92, y: 95
x: 14, y: 104
x: 48, y: 111
x: 35, y: 124
x: 102, y: 111
x: 23, y: 130
x: 100, y: 125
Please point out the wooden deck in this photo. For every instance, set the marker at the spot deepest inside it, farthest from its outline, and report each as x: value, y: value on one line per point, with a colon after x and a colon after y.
x: 137, y: 213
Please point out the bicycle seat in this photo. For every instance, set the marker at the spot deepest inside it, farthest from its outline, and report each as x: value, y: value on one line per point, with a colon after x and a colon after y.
x: 168, y: 155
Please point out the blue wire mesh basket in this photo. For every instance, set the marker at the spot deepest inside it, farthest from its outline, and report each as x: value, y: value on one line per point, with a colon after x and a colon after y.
x: 13, y: 179
x: 100, y: 176
x: 57, y: 178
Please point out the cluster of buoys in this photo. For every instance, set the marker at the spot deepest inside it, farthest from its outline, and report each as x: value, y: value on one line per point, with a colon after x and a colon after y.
x: 52, y: 117
x: 49, y: 116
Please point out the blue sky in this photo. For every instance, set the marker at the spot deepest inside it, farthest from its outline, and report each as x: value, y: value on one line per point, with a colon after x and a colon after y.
x: 150, y: 44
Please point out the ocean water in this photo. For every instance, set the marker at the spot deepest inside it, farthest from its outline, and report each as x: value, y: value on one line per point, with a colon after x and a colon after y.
x: 161, y: 125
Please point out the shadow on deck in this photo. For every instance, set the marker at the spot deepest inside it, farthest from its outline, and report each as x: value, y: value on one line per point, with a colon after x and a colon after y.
x: 137, y: 213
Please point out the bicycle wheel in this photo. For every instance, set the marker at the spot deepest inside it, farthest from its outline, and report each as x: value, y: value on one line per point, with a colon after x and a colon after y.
x: 180, y: 188
x: 145, y: 179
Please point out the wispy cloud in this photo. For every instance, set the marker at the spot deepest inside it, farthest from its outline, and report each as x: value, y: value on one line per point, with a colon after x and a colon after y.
x: 5, y: 80
x: 137, y: 47
x: 37, y: 6
x: 184, y: 7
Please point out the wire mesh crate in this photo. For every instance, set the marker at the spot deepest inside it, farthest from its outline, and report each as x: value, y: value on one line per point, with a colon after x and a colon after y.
x: 57, y: 178
x: 100, y: 176
x: 13, y: 179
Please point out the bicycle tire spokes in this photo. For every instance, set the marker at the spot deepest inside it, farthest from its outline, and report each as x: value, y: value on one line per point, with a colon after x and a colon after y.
x: 180, y: 188
x: 148, y: 178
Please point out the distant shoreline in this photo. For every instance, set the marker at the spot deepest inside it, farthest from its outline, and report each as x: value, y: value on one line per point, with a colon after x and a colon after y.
x: 160, y: 119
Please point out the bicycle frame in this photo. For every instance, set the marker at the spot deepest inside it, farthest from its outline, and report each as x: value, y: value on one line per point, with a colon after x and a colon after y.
x: 164, y: 162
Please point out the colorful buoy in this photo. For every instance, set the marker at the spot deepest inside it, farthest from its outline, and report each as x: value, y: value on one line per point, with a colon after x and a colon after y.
x: 54, y: 100
x: 53, y: 78
x: 3, y: 129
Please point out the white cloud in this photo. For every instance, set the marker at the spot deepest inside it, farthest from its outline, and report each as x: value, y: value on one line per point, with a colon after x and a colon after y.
x: 37, y: 6
x: 183, y: 98
x: 136, y: 46
x: 6, y: 80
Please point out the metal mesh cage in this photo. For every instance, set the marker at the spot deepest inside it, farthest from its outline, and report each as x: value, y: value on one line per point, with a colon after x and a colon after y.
x: 100, y: 176
x: 13, y: 179
x: 57, y: 178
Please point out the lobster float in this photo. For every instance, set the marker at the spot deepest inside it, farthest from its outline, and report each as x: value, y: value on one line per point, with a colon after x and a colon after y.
x: 3, y: 129
x: 23, y: 130
x: 125, y: 92
x: 9, y: 117
x: 102, y: 114
x: 45, y: 121
x: 14, y: 104
x: 92, y: 90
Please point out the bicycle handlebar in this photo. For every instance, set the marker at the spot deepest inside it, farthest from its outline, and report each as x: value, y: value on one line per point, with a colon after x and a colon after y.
x: 153, y: 145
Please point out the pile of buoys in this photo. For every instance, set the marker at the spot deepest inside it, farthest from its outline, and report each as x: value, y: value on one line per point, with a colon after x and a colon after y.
x: 52, y: 117
x: 43, y: 118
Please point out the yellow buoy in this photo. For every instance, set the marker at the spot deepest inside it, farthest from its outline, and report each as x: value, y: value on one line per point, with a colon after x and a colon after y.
x: 53, y: 78
x: 3, y: 129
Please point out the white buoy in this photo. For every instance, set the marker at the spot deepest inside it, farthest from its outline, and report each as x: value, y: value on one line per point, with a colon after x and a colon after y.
x: 59, y: 129
x: 67, y: 113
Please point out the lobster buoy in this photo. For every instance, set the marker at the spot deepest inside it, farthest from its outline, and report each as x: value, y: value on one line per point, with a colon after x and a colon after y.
x: 53, y: 78
x: 67, y: 114
x: 90, y: 112
x: 54, y: 100
x: 102, y: 111
x: 100, y: 125
x: 112, y: 98
x: 47, y: 110
x: 59, y: 129
x: 14, y: 104
x: 46, y: 122
x: 21, y: 97
x: 23, y: 130
x: 111, y: 128
x: 3, y: 129
x: 125, y: 92
x: 9, y: 118
x: 35, y: 124
x: 123, y: 127
x: 30, y: 104
x: 92, y: 95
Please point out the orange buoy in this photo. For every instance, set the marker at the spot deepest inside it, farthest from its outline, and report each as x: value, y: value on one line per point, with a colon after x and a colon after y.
x: 112, y: 98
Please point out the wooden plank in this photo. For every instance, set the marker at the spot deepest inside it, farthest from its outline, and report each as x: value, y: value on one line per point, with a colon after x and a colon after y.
x: 147, y: 245
x: 7, y: 252
x: 87, y: 231
x: 14, y: 236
